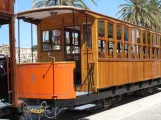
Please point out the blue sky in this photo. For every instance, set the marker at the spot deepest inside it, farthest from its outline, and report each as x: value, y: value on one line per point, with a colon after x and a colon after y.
x: 107, y: 7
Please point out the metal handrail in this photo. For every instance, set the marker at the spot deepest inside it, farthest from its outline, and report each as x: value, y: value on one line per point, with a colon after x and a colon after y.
x: 89, y: 80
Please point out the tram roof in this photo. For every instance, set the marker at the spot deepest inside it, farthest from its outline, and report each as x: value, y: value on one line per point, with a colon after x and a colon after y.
x: 35, y: 15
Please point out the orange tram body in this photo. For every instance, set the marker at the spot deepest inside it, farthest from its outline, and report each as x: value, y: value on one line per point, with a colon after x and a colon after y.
x: 94, y: 58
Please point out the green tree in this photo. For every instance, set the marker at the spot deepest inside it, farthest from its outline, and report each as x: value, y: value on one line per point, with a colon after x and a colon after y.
x: 142, y: 12
x: 34, y: 48
x: 75, y: 3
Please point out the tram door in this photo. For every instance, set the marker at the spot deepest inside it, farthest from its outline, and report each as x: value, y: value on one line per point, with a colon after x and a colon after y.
x: 72, y: 45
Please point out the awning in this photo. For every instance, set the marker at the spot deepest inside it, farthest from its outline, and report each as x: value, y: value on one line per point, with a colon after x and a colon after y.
x: 37, y: 14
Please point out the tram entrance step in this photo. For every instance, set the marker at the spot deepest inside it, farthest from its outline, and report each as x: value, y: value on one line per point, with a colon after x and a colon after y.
x: 84, y: 107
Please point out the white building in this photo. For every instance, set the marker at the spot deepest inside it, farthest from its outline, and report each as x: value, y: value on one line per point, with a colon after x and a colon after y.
x: 25, y: 53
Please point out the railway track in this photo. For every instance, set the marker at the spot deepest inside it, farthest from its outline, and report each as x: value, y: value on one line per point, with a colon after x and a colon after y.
x: 81, y: 115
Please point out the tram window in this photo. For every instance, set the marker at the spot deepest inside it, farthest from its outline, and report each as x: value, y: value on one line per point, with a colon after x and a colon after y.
x: 68, y: 50
x: 46, y: 47
x: 102, y: 48
x: 119, y: 50
x: 157, y: 40
x: 160, y: 40
x: 119, y: 32
x: 144, y: 37
x: 87, y: 31
x: 101, y: 29
x: 51, y: 40
x: 110, y: 49
x: 153, y: 53
x: 67, y: 40
x: 157, y: 53
x: 75, y: 38
x: 144, y: 52
x: 148, y: 38
x: 133, y: 35
x: 110, y: 31
x: 56, y: 39
x: 46, y: 36
x: 153, y: 39
x: 75, y: 50
x: 138, y: 51
x: 126, y: 49
x: 148, y: 52
x: 138, y: 35
x: 133, y: 51
x: 125, y: 34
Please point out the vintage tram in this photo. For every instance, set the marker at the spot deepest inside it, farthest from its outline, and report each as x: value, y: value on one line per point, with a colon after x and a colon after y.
x: 86, y: 57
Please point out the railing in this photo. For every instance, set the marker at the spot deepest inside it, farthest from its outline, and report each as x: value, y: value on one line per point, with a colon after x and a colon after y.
x: 89, y: 81
x: 6, y: 5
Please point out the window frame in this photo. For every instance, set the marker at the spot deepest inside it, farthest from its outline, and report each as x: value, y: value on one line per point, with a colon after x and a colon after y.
x: 50, y: 43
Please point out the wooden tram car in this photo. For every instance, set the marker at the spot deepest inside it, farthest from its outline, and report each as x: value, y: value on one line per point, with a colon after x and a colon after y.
x: 86, y: 57
x: 96, y: 58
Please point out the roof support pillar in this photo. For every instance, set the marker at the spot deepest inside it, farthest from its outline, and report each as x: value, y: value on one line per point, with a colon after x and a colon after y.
x: 32, y: 42
x: 13, y: 62
x: 19, y: 46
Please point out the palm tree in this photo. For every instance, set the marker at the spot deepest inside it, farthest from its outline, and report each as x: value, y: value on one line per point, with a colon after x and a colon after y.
x: 142, y: 12
x: 75, y: 3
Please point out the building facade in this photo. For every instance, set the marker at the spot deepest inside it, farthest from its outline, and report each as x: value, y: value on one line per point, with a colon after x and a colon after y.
x: 25, y: 54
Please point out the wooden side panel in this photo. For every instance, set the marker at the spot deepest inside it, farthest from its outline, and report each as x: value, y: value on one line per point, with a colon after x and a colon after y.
x: 122, y: 73
x: 51, y: 23
x: 107, y: 74
x: 140, y: 71
x: 133, y: 72
x: 2, y: 5
x: 147, y: 72
x: 103, y: 75
x: 112, y: 74
x: 82, y: 19
x: 84, y: 66
x: 7, y: 5
x: 155, y: 69
x: 150, y: 70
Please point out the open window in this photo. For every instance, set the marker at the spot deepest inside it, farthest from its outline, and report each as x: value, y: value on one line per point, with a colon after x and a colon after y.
x: 144, y: 52
x: 126, y: 33
x: 133, y: 51
x: 119, y: 50
x: 144, y: 37
x: 72, y: 44
x: 157, y: 40
x: 138, y: 36
x: 110, y: 49
x: 119, y: 33
x: 132, y: 35
x: 153, y: 39
x: 149, y: 38
x: 110, y: 31
x: 102, y: 48
x: 126, y: 50
x: 101, y: 29
x: 138, y: 51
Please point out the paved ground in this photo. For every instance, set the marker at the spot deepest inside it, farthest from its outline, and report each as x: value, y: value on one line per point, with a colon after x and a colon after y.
x: 148, y: 108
